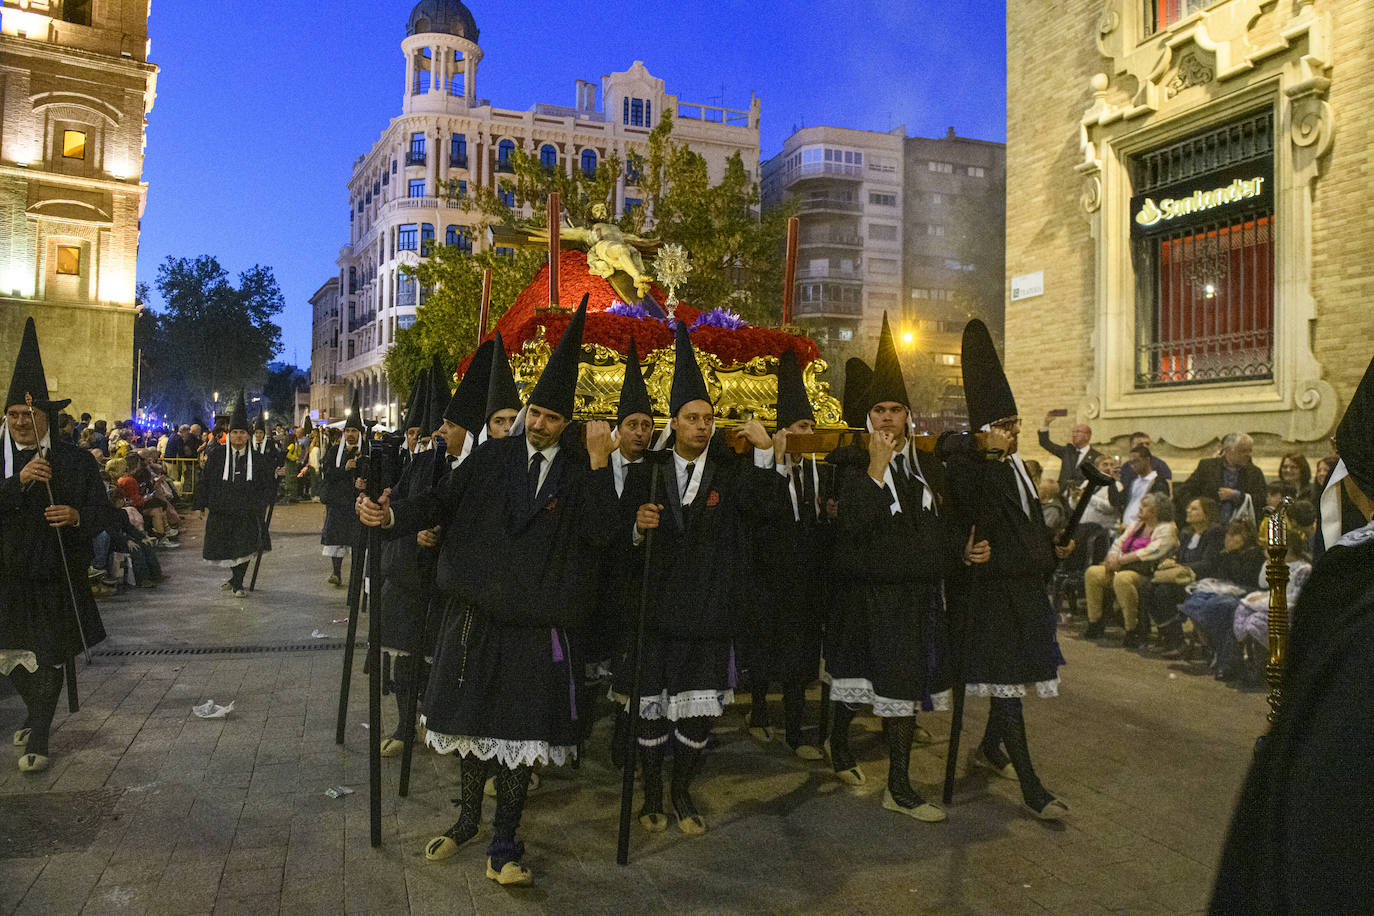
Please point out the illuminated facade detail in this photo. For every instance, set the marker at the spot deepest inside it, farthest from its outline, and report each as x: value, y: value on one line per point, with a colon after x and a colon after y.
x: 447, y: 136
x: 75, y: 91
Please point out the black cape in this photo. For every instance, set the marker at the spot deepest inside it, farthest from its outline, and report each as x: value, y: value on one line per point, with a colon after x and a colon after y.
x: 407, y: 568
x: 237, y: 506
x: 338, y: 493
x: 35, y: 605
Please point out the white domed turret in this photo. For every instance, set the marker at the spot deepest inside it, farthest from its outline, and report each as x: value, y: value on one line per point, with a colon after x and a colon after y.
x: 441, y: 55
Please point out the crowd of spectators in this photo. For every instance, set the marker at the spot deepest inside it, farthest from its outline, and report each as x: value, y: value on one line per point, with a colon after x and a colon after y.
x: 1194, y: 590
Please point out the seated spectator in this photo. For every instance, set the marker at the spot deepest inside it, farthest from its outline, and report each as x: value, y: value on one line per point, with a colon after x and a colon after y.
x: 1128, y: 472
x: 66, y: 427
x: 1321, y: 476
x: 1297, y: 473
x: 1052, y: 506
x: 130, y: 549
x: 1230, y: 478
x: 1101, y: 511
x: 87, y: 441
x: 1250, y: 626
x: 99, y: 439
x: 1200, y: 543
x: 1145, y: 480
x: 1130, y: 561
x: 1275, y: 492
x: 1035, y: 471
x: 1212, y: 600
x: 137, y: 488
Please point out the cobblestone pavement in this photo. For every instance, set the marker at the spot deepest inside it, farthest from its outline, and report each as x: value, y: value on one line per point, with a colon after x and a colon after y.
x: 148, y: 808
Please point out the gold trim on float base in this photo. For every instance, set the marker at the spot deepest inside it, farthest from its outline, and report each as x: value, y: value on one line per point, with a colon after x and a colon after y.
x: 740, y: 392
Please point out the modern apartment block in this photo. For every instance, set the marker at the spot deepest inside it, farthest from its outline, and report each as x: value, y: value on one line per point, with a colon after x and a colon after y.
x: 910, y: 226
x: 75, y: 91
x: 448, y: 136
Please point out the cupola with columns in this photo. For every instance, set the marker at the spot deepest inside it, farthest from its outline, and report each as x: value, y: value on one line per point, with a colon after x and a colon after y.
x: 442, y: 55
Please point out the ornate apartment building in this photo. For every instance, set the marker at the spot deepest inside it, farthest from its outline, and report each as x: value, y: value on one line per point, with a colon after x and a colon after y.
x: 1187, y: 217
x: 75, y: 91
x: 446, y: 135
x: 328, y: 395
x: 895, y: 224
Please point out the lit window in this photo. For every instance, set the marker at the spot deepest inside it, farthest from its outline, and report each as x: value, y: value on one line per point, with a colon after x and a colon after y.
x: 69, y: 260
x: 74, y: 144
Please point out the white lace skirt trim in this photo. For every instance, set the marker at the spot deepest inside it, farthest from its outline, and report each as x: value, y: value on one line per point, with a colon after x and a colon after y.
x: 685, y: 705
x: 1043, y: 689
x: 230, y: 564
x: 508, y: 752
x: 331, y: 550
x: 857, y: 691
x: 17, y: 658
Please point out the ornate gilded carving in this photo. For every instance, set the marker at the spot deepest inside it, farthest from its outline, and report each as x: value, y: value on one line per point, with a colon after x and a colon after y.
x: 739, y: 392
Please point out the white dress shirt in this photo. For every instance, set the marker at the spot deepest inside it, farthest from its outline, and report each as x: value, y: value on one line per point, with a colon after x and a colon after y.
x: 1139, y: 487
x: 548, y: 454
x: 620, y: 466
x: 691, y: 486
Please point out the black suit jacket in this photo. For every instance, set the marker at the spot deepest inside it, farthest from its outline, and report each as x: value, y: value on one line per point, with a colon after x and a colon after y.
x: 1069, y: 475
x: 1206, y: 481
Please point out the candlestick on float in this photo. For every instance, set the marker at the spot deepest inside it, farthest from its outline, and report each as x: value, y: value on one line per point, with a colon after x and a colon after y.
x: 789, y: 275
x: 555, y: 208
x: 486, y: 303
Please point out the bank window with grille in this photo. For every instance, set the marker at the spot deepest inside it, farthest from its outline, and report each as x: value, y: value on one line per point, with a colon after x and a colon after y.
x: 1202, y: 244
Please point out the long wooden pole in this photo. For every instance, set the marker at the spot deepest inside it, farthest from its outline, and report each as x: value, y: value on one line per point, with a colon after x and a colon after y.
x: 554, y: 218
x: 789, y: 277
x: 1276, y: 574
x: 486, y: 304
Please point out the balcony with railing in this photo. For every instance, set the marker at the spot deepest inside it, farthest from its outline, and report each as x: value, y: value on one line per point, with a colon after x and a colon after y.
x: 415, y: 157
x: 458, y: 161
x: 831, y: 205
x: 829, y: 273
x: 357, y: 322
x: 831, y: 240
x: 825, y: 306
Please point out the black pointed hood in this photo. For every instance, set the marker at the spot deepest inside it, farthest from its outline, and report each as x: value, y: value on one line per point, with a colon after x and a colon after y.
x: 634, y: 396
x: 1355, y: 434
x: 238, y: 414
x: 887, y: 383
x: 260, y: 423
x: 467, y: 407
x: 309, y: 427
x: 986, y: 389
x: 415, y: 406
x: 354, y: 420
x: 501, y: 391
x: 857, y: 376
x: 688, y: 383
x: 793, y: 402
x: 437, y: 396
x: 28, y: 377
x: 557, y: 386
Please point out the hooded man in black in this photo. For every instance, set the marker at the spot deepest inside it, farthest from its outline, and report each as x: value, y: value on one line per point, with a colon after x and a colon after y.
x: 885, y: 646
x: 1299, y: 837
x: 714, y: 500
x: 503, y: 398
x: 782, y: 642
x: 343, y: 474
x: 51, y: 501
x: 408, y: 560
x: 522, y: 521
x: 236, y: 486
x: 1000, y: 608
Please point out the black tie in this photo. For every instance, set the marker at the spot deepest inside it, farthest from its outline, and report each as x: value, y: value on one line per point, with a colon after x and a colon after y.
x: 900, y: 461
x: 691, y: 467
x: 535, y: 464
x: 800, y: 486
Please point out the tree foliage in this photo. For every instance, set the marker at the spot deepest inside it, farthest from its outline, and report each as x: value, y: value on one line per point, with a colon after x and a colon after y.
x: 210, y: 336
x: 736, y: 256
x: 279, y: 391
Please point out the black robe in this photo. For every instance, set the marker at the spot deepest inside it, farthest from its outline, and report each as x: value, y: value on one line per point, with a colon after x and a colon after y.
x: 339, y: 493
x: 516, y: 576
x: 407, y: 568
x: 35, y: 603
x: 1010, y: 637
x: 886, y: 642
x: 790, y: 585
x: 1299, y: 840
x: 237, y: 506
x: 697, y: 564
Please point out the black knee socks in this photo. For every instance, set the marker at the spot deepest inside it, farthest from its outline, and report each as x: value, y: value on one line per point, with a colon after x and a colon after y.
x: 40, y: 692
x: 841, y: 757
x: 899, y: 731
x: 236, y: 576
x: 793, y: 709
x: 758, y: 704
x: 403, y: 687
x: 472, y: 778
x: 691, y: 735
x: 653, y: 742
x: 338, y: 566
x: 991, y: 744
x: 1012, y: 728
x: 512, y: 787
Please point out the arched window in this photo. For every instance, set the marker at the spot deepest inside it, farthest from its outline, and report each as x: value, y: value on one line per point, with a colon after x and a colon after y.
x: 589, y: 163
x: 548, y: 157
x: 504, y: 149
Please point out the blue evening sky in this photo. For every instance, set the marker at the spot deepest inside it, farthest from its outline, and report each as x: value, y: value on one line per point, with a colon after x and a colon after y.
x: 262, y: 108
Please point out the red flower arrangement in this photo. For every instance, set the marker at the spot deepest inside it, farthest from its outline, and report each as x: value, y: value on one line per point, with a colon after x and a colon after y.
x: 522, y: 320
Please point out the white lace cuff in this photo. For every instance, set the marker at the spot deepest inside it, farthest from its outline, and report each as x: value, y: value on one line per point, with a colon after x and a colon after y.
x: 508, y: 752
x: 1043, y: 689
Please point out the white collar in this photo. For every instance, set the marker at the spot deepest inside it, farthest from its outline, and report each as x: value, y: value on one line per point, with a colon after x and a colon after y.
x: 6, y: 442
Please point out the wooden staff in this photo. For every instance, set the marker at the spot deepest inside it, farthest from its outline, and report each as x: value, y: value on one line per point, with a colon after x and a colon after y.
x: 1276, y: 574
x: 555, y: 209
x: 789, y: 273
x: 486, y: 303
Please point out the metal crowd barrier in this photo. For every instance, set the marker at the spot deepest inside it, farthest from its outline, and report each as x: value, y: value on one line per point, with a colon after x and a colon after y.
x: 183, y: 473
